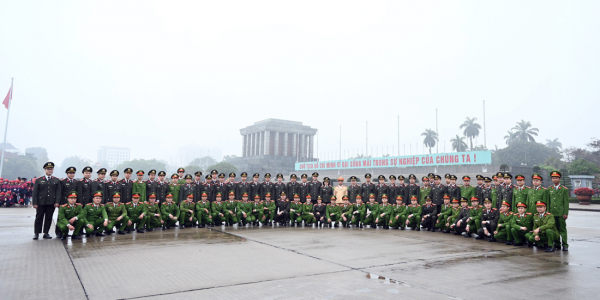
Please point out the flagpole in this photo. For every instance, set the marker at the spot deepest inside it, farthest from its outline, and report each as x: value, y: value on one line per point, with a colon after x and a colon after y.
x: 6, y: 127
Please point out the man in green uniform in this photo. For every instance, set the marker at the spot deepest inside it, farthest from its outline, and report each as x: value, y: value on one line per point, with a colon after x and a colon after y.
x: 95, y: 216
x: 180, y: 178
x: 372, y: 210
x: 243, y: 209
x: 233, y: 213
x: 347, y: 209
x: 466, y: 190
x: 359, y: 212
x: 536, y: 193
x: 474, y: 221
x: 413, y: 214
x: 117, y: 214
x: 544, y: 230
x: 187, y: 214
x: 154, y: 217
x: 174, y: 187
x: 521, y: 224
x: 217, y: 210
x: 443, y: 214
x: 70, y: 217
x: 559, y: 207
x: 333, y: 212
x: 268, y: 210
x: 203, y: 214
x: 307, y: 210
x: 520, y: 192
x: 136, y: 213
x: 385, y: 213
x: 398, y: 219
x: 139, y: 186
x: 169, y: 212
x: 296, y: 210
x: 453, y: 215
x: 256, y: 211
x: 460, y: 223
x: 503, y: 231
x: 424, y: 191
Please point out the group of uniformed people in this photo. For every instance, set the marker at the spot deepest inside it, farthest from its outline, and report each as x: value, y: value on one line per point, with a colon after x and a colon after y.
x: 515, y: 213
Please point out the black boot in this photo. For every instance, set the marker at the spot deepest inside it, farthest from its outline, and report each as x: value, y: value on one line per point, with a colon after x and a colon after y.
x: 510, y: 243
x: 550, y: 249
x: 402, y: 228
x: 76, y: 237
x: 181, y: 227
x: 479, y: 237
x: 63, y: 237
x: 492, y: 240
x: 418, y: 229
x: 36, y: 236
x: 140, y: 231
x: 120, y: 232
x: 518, y: 244
x: 99, y: 234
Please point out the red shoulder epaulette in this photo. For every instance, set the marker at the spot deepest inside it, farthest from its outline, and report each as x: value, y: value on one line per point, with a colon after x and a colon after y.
x: 548, y: 213
x: 493, y: 208
x: 510, y: 212
x: 469, y: 207
x: 433, y: 204
x: 129, y: 203
x: 64, y: 205
x: 544, y: 188
x: 101, y: 204
x: 564, y: 187
x: 78, y: 204
x: 418, y: 205
x: 89, y: 204
x: 528, y: 213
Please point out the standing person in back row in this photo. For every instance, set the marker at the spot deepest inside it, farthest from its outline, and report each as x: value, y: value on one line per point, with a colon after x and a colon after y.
x: 84, y: 187
x: 99, y: 184
x: 68, y: 186
x: 559, y: 208
x: 126, y: 186
x: 46, y: 197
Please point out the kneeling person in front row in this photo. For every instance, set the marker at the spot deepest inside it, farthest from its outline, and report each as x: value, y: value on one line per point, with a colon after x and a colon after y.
x: 170, y: 212
x: 95, y: 216
x: 187, y: 216
x: 117, y: 214
x: 461, y: 222
x: 521, y: 224
x: 70, y: 217
x: 503, y: 229
x: 136, y: 213
x: 413, y: 213
x: 154, y: 218
x: 489, y: 221
x: 429, y: 215
x: 544, y: 229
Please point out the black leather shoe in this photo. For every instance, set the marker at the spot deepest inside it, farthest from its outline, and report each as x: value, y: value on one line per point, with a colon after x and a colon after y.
x: 87, y: 235
x: 518, y: 244
x: 99, y: 234
x: 150, y: 229
x: 76, y: 237
x: 109, y: 232
x: 181, y: 227
x: 446, y: 231
x: 433, y: 230
x: 468, y: 235
x: 550, y: 249
x: 418, y: 229
x: 63, y: 237
x: 140, y: 231
x: 120, y: 232
x: 529, y: 245
x: 510, y: 243
x: 565, y: 248
x: 428, y: 229
x: 47, y: 236
x: 456, y: 233
x: 402, y: 228
x: 128, y: 230
x: 492, y: 240
x: 36, y: 236
x: 479, y: 237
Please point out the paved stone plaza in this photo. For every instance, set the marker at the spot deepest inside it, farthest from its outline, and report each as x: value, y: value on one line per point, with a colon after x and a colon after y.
x: 292, y: 263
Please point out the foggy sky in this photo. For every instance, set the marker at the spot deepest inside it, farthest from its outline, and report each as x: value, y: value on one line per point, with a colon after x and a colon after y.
x: 154, y: 76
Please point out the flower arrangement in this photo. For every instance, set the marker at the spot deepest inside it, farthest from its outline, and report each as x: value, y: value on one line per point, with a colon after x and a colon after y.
x: 583, y: 191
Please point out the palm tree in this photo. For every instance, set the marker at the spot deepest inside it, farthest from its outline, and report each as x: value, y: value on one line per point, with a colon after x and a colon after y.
x: 458, y: 143
x: 554, y: 144
x: 510, y: 137
x: 430, y: 139
x: 525, y: 132
x: 471, y: 129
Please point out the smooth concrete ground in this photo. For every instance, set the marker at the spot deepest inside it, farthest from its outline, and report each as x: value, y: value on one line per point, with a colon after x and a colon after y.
x: 292, y: 263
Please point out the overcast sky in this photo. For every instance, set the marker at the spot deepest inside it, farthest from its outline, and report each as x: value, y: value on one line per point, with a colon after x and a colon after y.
x: 157, y: 75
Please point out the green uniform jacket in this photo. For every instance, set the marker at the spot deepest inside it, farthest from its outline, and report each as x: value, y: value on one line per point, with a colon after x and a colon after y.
x: 174, y: 190
x: 296, y: 209
x: 66, y: 212
x: 414, y: 210
x: 519, y: 195
x: 333, y: 209
x: 347, y: 210
x: 134, y: 213
x: 201, y: 206
x: 186, y: 206
x: 373, y: 208
x: 505, y: 220
x: 534, y: 195
x: 140, y: 188
x: 475, y: 213
x: 91, y: 213
x: 270, y: 207
x: 243, y: 207
x: 167, y: 209
x: 217, y: 208
x: 152, y: 209
x: 467, y: 192
x: 453, y: 215
x: 256, y: 208
x: 113, y: 212
x: 547, y: 222
x: 526, y: 221
x: 231, y: 206
x: 307, y: 209
x: 388, y: 209
x: 445, y: 212
x: 424, y: 192
x: 362, y: 208
x: 494, y: 196
x: 559, y: 200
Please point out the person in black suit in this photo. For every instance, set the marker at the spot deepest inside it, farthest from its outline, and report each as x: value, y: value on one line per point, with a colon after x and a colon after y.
x: 46, y: 197
x: 99, y: 184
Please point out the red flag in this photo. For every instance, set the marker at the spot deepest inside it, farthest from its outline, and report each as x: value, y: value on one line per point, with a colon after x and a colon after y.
x: 8, y: 98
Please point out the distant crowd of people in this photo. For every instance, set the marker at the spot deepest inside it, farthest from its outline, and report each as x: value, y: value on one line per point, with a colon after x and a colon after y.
x: 15, y: 192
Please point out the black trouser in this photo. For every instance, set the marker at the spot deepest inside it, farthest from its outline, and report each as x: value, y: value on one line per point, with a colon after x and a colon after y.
x: 284, y: 217
x: 43, y: 214
x: 461, y: 228
x: 429, y: 222
x: 490, y: 227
